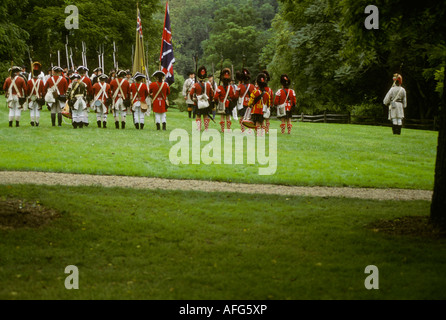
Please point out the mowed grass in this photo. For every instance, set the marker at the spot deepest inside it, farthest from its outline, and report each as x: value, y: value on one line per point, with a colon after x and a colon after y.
x: 135, y: 244
x: 313, y: 155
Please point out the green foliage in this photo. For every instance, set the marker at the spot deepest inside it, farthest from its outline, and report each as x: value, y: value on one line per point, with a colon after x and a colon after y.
x: 44, y: 22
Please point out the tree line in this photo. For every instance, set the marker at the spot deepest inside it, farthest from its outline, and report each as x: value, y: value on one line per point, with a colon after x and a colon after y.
x: 335, y: 63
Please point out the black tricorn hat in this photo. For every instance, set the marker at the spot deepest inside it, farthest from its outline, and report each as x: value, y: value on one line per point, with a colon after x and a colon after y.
x: 285, y: 80
x: 202, y: 73
x: 121, y: 73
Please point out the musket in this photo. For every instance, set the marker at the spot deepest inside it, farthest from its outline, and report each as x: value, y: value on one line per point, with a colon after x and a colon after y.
x: 99, y: 57
x: 71, y: 58
x: 58, y: 58
x: 103, y: 67
x: 66, y: 52
x: 114, y: 55
x: 30, y: 59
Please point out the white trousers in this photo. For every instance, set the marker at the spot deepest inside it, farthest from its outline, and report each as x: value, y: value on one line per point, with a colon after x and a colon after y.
x: 57, y: 106
x: 160, y: 117
x: 138, y: 115
x: 14, y: 111
x: 117, y: 113
x: 34, y: 111
x: 397, y: 121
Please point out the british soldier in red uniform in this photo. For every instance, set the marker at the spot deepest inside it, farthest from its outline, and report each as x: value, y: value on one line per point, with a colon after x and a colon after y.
x: 243, y: 94
x: 120, y: 88
x: 35, y: 92
x: 285, y: 98
x: 203, y: 94
x: 267, y: 113
x: 139, y: 93
x: 82, y: 71
x: 57, y: 86
x: 159, y: 91
x: 224, y: 95
x: 102, y: 100
x: 259, y: 101
x: 15, y: 91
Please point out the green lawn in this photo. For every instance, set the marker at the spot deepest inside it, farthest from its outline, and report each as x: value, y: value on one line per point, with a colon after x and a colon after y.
x: 314, y: 154
x: 135, y: 244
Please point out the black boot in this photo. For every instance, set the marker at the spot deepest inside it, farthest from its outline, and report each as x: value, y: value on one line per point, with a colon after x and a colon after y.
x: 85, y: 124
x: 190, y: 114
x: 141, y: 126
x: 117, y: 124
x: 17, y: 124
x: 10, y: 124
x: 37, y: 124
x: 123, y: 125
x: 104, y: 124
x: 399, y: 130
x: 137, y: 125
x: 74, y: 125
x: 393, y: 129
x: 99, y: 123
x: 32, y: 123
x: 80, y: 125
x: 164, y: 126
x: 158, y: 126
x: 59, y: 119
x: 53, y: 119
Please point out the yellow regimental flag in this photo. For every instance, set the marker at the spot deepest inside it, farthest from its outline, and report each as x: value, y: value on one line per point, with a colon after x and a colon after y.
x: 138, y: 60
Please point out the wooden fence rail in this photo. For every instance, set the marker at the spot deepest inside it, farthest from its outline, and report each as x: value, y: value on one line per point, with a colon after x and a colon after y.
x: 423, y: 124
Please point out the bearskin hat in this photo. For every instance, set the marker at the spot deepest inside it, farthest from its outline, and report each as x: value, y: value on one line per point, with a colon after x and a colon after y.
x: 37, y: 68
x: 226, y: 75
x: 285, y: 80
x: 246, y: 75
x: 261, y: 80
x: 202, y: 73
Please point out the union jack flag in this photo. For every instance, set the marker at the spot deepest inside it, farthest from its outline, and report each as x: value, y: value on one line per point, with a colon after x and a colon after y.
x: 166, y: 56
x: 139, y: 25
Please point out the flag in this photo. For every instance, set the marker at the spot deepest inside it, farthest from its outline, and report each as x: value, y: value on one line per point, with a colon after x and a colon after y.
x: 166, y: 56
x: 139, y: 64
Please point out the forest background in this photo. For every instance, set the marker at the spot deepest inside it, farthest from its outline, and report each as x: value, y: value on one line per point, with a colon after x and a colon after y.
x: 335, y: 63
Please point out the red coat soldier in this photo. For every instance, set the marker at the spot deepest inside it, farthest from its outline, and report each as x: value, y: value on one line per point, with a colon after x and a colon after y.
x: 224, y: 95
x: 285, y: 101
x: 159, y: 90
x: 15, y: 91
x: 102, y: 100
x: 203, y: 94
x: 120, y: 89
x: 139, y: 93
x: 35, y: 92
x: 55, y: 89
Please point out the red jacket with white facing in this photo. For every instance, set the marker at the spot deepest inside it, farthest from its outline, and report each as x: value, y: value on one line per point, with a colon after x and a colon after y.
x: 139, y: 92
x: 124, y: 92
x: 220, y: 94
x: 159, y: 104
x: 62, y: 85
x: 196, y: 89
x: 19, y: 82
x: 281, y: 95
x: 32, y: 89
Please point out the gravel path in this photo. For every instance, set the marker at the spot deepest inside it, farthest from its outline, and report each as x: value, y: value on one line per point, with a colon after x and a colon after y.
x: 68, y: 179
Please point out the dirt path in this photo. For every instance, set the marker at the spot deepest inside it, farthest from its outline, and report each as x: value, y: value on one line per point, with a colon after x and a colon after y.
x: 67, y: 179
